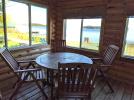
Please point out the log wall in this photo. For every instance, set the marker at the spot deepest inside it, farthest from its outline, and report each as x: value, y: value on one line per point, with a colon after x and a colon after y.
x: 114, y: 14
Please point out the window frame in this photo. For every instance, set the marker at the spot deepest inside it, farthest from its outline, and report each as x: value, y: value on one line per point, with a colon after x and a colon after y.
x: 29, y: 4
x: 124, y: 40
x: 82, y: 20
x: 31, y: 23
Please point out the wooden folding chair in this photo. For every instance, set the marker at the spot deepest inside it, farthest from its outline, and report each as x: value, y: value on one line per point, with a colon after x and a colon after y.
x: 106, y: 61
x: 76, y: 80
x: 23, y: 75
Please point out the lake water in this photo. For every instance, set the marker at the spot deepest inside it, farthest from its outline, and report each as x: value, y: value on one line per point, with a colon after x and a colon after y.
x: 35, y: 29
x: 92, y: 34
x: 39, y: 29
x: 130, y: 36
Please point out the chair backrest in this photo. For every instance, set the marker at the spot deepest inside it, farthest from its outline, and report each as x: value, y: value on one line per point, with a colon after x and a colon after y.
x: 76, y: 77
x: 110, y: 54
x: 9, y: 59
x: 58, y: 45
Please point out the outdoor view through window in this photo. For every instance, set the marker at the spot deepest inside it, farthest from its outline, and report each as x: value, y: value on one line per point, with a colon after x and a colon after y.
x: 83, y: 33
x: 39, y: 22
x: 17, y: 24
x: 129, y: 38
x: 2, y: 42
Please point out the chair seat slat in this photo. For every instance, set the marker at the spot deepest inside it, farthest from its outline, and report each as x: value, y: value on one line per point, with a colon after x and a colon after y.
x: 37, y: 74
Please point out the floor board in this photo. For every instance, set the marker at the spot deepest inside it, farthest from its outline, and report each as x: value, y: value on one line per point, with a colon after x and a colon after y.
x: 122, y: 91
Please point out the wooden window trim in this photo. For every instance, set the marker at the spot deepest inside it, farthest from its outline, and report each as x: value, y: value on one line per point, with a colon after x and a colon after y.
x: 80, y: 48
x: 126, y: 57
x: 29, y: 4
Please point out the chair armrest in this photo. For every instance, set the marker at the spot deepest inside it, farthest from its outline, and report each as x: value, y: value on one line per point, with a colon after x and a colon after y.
x: 26, y: 61
x: 28, y: 70
x: 96, y: 58
x: 30, y: 63
x: 105, y: 65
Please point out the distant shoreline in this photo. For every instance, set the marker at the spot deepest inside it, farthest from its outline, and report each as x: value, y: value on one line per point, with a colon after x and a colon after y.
x: 33, y: 24
x: 91, y: 27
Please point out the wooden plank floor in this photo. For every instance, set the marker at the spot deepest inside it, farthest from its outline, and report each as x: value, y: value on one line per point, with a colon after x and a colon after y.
x: 122, y: 92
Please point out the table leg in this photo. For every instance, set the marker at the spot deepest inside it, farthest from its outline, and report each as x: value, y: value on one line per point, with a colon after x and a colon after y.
x: 48, y: 76
x: 52, y: 82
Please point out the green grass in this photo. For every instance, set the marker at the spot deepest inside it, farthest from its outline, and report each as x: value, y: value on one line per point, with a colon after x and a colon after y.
x: 17, y: 39
x: 93, y: 46
x: 12, y: 33
x: 129, y: 50
x: 10, y: 43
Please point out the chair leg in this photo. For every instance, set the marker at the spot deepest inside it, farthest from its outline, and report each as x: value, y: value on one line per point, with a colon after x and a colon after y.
x: 30, y: 64
x: 0, y: 96
x: 88, y: 97
x: 41, y: 89
x: 44, y: 83
x: 48, y: 77
x: 52, y: 84
x: 109, y: 85
x: 16, y: 89
x: 16, y: 83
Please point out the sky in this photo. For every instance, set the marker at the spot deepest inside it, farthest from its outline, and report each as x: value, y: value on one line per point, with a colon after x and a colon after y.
x: 73, y: 28
x: 130, y: 31
x: 19, y: 13
x: 92, y: 22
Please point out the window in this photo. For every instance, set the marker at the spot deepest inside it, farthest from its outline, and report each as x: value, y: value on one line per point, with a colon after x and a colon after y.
x: 2, y: 42
x: 39, y: 22
x: 91, y: 33
x: 83, y: 33
x: 26, y: 24
x: 17, y: 24
x: 128, y: 49
x: 73, y: 34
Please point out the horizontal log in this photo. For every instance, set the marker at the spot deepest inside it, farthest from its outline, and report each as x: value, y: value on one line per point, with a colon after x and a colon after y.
x: 113, y: 28
x: 80, y: 3
x: 6, y: 76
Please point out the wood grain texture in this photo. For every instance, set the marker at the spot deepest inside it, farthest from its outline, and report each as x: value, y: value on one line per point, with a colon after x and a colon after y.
x: 101, y: 92
x: 115, y: 12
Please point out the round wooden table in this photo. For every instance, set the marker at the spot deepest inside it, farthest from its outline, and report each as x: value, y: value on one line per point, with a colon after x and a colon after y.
x: 50, y: 60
